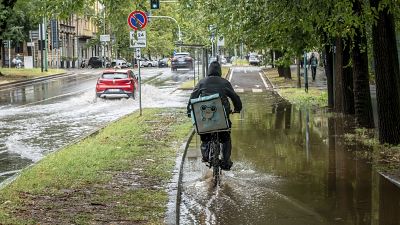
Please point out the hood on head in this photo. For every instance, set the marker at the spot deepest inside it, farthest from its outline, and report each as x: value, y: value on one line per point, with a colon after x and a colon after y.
x: 214, y: 69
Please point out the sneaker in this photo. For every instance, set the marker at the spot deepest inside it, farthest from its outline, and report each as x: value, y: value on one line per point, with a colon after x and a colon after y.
x: 226, y: 166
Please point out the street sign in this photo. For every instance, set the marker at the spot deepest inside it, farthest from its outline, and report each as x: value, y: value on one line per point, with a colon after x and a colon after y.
x: 221, y: 41
x: 138, y: 54
x: 5, y: 43
x: 105, y: 38
x: 30, y: 44
x: 137, y: 20
x: 34, y: 34
x: 137, y: 39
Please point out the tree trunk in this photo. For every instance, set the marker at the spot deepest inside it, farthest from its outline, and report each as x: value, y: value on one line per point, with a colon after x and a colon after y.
x: 387, y: 76
x: 281, y: 69
x: 287, y: 72
x: 344, y: 96
x: 338, y: 76
x: 348, y: 93
x: 362, y: 95
x: 329, y: 74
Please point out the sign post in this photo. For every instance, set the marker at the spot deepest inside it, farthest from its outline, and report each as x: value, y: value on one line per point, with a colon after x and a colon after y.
x: 137, y: 20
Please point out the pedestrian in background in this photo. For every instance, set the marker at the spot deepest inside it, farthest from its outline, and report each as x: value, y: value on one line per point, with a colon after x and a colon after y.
x: 313, y: 63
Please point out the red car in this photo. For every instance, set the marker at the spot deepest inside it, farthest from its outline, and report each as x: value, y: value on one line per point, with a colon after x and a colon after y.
x: 117, y: 83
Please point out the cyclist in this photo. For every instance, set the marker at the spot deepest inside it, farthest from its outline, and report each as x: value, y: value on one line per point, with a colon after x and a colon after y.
x: 213, y: 84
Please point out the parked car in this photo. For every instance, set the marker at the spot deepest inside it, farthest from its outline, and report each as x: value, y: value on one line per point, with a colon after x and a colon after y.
x: 181, y: 60
x: 97, y: 62
x: 223, y: 60
x: 163, y: 62
x: 148, y: 63
x: 253, y: 60
x: 121, y: 63
x: 117, y: 83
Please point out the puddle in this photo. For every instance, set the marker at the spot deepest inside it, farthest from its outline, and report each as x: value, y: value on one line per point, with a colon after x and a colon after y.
x: 290, y: 167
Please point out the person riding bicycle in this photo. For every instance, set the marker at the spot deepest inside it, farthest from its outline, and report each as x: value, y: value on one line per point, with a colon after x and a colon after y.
x: 213, y: 84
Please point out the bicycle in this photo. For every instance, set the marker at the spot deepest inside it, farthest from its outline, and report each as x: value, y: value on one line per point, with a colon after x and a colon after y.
x: 214, y: 158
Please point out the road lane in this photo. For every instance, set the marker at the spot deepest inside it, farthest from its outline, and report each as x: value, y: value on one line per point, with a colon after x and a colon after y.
x: 36, y: 119
x: 248, y: 79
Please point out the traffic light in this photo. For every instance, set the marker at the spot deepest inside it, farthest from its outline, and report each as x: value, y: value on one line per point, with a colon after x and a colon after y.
x: 154, y: 4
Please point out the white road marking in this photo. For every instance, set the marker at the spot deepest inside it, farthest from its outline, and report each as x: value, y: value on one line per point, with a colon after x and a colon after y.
x: 231, y: 75
x: 255, y: 90
x: 265, y: 83
x: 239, y: 90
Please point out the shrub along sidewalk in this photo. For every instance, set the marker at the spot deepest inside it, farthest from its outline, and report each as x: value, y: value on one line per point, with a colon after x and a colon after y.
x: 116, y: 176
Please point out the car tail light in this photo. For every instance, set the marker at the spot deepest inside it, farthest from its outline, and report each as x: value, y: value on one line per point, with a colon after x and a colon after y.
x: 188, y: 58
x: 99, y: 81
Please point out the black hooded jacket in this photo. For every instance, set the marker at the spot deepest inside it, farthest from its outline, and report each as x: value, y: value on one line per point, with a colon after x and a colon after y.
x: 213, y: 84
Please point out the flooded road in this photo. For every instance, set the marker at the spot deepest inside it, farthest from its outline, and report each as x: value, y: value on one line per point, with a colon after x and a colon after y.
x: 39, y: 118
x: 291, y: 167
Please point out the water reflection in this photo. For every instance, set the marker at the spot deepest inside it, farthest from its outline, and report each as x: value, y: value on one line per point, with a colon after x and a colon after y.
x: 291, y: 167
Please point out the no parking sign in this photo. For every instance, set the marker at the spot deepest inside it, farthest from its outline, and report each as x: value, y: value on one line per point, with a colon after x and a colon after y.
x: 137, y: 20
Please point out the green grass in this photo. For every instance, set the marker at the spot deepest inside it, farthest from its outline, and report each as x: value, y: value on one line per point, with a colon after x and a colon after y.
x: 28, y: 73
x: 124, y: 169
x: 300, y: 97
x: 189, y: 85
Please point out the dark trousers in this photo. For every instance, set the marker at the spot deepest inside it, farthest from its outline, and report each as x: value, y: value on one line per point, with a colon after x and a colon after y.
x: 313, y: 72
x: 225, y: 140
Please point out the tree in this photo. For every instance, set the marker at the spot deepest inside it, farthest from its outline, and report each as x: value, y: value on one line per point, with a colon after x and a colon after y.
x: 387, y: 73
x: 362, y: 96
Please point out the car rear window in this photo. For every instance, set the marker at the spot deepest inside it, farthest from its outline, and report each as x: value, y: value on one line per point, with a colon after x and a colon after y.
x: 115, y: 75
x: 181, y: 55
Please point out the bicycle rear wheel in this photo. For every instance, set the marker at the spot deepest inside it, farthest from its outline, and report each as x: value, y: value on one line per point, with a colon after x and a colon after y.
x: 215, y: 162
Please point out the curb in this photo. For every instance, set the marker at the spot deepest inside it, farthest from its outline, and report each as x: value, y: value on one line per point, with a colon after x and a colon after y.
x: 179, y: 190
x: 390, y: 179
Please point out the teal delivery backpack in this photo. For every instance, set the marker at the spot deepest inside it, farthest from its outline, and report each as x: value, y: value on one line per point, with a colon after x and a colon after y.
x: 208, y: 114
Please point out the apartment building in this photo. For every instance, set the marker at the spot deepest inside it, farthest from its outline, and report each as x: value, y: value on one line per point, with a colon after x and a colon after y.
x: 68, y: 43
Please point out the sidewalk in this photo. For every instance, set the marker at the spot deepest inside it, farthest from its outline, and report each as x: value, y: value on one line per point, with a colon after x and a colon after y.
x: 320, y: 78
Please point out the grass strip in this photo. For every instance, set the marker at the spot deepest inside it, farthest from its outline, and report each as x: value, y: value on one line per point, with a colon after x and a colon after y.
x: 116, y: 176
x: 288, y: 90
x: 27, y: 73
x: 189, y: 85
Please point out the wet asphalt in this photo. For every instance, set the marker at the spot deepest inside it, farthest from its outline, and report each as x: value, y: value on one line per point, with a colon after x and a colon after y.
x: 291, y: 167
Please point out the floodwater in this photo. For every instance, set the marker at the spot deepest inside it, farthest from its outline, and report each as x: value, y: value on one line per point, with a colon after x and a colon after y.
x: 40, y: 118
x: 291, y: 167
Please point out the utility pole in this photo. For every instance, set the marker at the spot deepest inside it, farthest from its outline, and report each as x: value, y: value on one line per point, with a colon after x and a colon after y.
x: 41, y: 46
x: 45, y: 43
x: 305, y: 72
